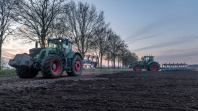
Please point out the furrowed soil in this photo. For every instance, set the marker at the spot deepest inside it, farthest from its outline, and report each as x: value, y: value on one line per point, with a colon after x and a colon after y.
x: 103, y: 90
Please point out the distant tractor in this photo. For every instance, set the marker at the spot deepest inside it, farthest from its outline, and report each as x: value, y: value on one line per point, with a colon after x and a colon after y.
x: 51, y: 60
x: 147, y: 63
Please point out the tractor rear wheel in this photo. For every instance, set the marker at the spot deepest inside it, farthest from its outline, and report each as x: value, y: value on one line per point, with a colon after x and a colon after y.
x: 153, y: 67
x: 52, y: 66
x: 76, y: 66
x: 137, y: 68
x: 26, y: 73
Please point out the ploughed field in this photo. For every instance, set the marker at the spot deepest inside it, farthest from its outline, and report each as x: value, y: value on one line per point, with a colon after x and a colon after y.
x: 125, y: 90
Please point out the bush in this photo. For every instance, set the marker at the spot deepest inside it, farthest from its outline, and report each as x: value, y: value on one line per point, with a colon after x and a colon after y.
x: 2, y: 63
x: 8, y: 72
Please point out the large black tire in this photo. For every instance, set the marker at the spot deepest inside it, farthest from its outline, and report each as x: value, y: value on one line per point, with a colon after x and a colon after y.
x: 52, y: 66
x: 76, y: 66
x: 153, y: 67
x: 137, y: 68
x: 26, y: 73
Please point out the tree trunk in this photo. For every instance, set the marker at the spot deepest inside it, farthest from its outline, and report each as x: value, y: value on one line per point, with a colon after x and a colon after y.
x: 1, y: 41
x: 82, y: 43
x: 114, y: 62
x: 101, y: 61
x: 108, y: 60
x: 0, y: 54
x: 118, y: 62
x: 121, y: 64
x: 83, y: 55
x: 43, y: 40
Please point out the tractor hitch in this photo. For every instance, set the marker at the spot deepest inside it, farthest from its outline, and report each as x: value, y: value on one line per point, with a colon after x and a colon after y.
x: 21, y: 61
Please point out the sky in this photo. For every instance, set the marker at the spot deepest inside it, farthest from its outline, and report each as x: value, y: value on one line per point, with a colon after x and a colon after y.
x: 167, y: 29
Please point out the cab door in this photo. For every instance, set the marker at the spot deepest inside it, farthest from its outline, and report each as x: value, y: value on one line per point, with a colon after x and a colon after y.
x: 66, y: 47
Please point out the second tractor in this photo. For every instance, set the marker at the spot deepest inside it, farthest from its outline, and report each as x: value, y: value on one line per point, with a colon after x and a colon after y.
x: 147, y: 63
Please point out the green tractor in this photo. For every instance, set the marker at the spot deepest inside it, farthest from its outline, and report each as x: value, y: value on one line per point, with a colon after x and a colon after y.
x: 146, y: 63
x: 51, y: 60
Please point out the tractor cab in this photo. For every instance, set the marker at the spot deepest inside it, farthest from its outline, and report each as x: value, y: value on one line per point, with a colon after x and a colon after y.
x: 147, y: 59
x: 60, y: 45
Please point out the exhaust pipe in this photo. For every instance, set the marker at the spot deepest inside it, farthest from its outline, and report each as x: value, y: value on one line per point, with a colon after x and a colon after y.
x: 36, y: 45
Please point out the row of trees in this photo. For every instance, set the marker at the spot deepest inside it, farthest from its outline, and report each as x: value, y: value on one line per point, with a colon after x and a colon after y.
x: 44, y: 19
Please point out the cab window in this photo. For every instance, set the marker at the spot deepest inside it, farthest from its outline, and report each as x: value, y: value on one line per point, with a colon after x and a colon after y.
x: 64, y: 45
x: 52, y: 45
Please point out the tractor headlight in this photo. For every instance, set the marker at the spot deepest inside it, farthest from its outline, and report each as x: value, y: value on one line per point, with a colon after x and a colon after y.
x: 60, y: 40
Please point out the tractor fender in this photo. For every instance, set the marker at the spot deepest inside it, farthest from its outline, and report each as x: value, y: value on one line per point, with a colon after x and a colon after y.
x: 154, y: 62
x: 71, y: 54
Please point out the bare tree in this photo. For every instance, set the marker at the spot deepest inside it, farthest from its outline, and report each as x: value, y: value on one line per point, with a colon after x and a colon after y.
x: 6, y: 7
x: 110, y: 35
x: 122, y: 47
x: 59, y: 28
x: 114, y: 45
x: 83, y: 21
x: 123, y: 52
x: 38, y: 17
x: 2, y: 63
x: 100, y: 42
x: 128, y: 58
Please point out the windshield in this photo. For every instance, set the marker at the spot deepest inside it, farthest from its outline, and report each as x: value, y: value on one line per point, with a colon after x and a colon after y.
x: 54, y: 44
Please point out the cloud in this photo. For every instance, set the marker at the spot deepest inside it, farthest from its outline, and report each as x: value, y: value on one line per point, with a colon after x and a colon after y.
x: 159, y: 45
x: 144, y: 38
x: 179, y: 40
x: 177, y: 51
x: 10, y: 53
x: 163, y: 25
x: 153, y: 27
x: 188, y: 56
x: 7, y: 54
x: 172, y: 51
x: 144, y: 30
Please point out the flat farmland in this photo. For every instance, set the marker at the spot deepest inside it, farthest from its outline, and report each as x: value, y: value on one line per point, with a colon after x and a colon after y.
x: 122, y: 90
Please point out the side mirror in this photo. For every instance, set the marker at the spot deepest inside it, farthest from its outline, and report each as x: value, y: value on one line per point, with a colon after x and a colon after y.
x: 67, y: 42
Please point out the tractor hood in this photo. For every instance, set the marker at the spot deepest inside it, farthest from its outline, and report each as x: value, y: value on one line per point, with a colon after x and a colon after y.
x: 135, y: 62
x: 39, y: 53
x: 35, y: 51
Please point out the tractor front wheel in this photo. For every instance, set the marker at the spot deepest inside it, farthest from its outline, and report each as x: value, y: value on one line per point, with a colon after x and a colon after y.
x: 26, y: 73
x: 76, y: 66
x: 137, y: 68
x: 153, y: 67
x: 52, y: 66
